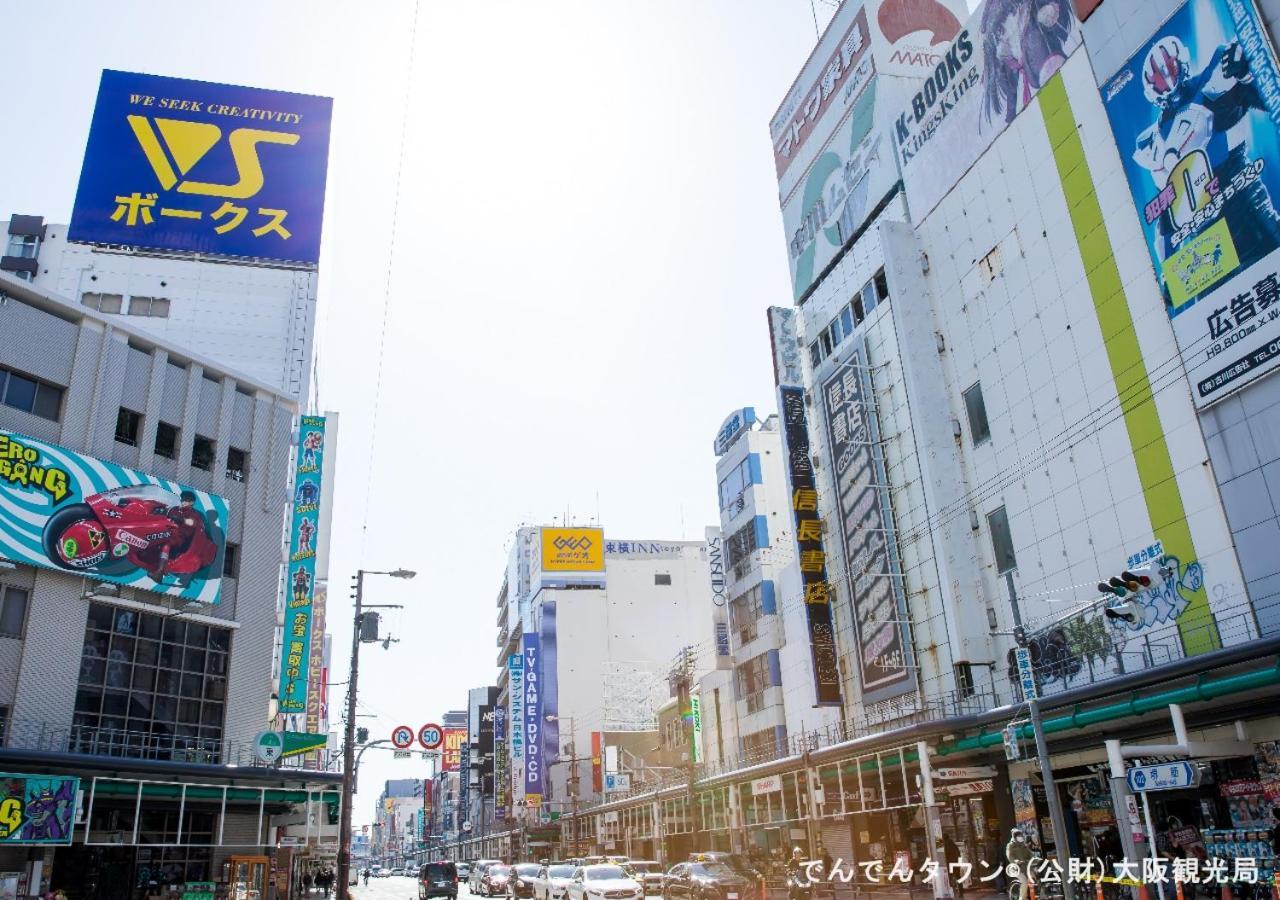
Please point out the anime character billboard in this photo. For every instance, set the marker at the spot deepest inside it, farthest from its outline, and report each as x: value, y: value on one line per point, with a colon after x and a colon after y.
x: 1005, y: 53
x: 37, y: 810
x: 1194, y: 112
x: 64, y: 510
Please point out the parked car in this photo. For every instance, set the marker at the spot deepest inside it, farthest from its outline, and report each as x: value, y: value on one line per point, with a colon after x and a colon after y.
x: 495, y: 880
x: 648, y: 872
x: 464, y: 871
x: 705, y: 881
x: 477, y: 873
x: 604, y: 881
x: 736, y: 861
x: 523, y: 876
x: 552, y: 882
x: 438, y: 879
x: 397, y: 870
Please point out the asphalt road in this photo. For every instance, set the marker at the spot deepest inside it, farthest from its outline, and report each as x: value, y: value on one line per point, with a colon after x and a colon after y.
x: 393, y: 887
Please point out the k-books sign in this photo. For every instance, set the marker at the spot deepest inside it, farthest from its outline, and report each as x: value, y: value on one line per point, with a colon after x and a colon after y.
x: 1195, y: 113
x: 1002, y: 57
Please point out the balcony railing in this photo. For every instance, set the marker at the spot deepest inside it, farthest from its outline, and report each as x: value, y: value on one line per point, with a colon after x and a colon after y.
x: 49, y: 737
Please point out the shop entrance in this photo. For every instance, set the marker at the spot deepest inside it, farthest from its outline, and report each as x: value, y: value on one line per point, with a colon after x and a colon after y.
x: 94, y: 873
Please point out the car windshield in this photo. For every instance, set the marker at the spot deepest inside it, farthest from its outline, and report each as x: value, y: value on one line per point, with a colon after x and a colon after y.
x: 646, y: 866
x: 712, y: 870
x: 600, y: 873
x: 437, y: 870
x: 560, y: 872
x: 498, y: 871
x: 526, y: 870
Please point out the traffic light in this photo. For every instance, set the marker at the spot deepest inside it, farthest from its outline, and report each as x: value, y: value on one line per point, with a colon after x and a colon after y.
x: 1130, y: 611
x: 1020, y: 635
x: 362, y: 735
x: 1127, y: 583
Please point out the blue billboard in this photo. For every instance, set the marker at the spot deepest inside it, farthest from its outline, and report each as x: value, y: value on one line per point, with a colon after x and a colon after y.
x: 175, y: 164
x: 532, y: 724
x: 301, y: 573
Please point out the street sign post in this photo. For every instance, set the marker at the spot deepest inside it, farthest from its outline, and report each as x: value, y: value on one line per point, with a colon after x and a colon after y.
x: 430, y: 736
x: 1163, y: 777
x: 1026, y: 674
x: 402, y: 737
x: 268, y: 746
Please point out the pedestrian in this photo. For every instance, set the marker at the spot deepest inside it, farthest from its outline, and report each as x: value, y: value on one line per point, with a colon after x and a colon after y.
x: 952, y: 855
x: 826, y: 861
x: 1019, y: 855
x: 306, y: 882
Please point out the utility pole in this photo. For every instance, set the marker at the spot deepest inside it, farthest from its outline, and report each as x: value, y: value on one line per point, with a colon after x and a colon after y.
x: 573, y: 783
x: 349, y: 738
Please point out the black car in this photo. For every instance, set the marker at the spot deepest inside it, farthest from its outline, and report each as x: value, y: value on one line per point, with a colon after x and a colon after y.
x: 520, y: 884
x: 705, y: 881
x: 438, y: 879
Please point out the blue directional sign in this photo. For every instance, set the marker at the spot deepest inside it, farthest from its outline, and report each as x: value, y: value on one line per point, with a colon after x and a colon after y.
x: 1026, y: 674
x: 1163, y: 777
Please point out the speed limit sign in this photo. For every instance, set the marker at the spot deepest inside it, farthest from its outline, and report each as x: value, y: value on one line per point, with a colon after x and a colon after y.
x: 430, y: 736
x: 402, y: 737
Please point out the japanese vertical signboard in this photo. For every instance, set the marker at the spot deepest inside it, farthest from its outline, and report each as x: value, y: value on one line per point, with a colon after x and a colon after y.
x: 515, y: 680
x: 872, y: 573
x: 1195, y: 113
x: 454, y: 738
x: 597, y: 762
x: 174, y: 164
x: 695, y: 710
x: 813, y: 559
x: 1004, y: 54
x: 532, y: 719
x: 37, y: 809
x: 315, y: 666
x: 64, y: 510
x: 301, y: 572
x: 500, y: 775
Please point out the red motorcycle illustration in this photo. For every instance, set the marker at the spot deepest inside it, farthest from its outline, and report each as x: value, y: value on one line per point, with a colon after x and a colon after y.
x: 140, y: 527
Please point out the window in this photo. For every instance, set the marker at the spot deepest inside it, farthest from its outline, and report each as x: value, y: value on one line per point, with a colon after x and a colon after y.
x: 150, y: 686
x: 825, y: 340
x: 661, y: 578
x: 979, y: 430
x: 815, y: 354
x: 753, y: 676
x: 745, y: 611
x: 231, y: 561
x: 734, y: 483
x: 237, y: 463
x: 741, y: 544
x: 166, y: 441
x: 29, y: 395
x: 964, y: 679
x: 868, y: 298
x: 104, y: 303
x: 13, y: 610
x: 156, y: 307
x: 760, y: 744
x: 4, y: 724
x: 882, y: 286
x: 202, y: 453
x: 24, y: 246
x: 128, y: 424
x: 1001, y: 541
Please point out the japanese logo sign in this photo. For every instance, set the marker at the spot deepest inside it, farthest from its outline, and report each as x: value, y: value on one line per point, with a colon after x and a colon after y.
x: 35, y: 810
x: 1005, y: 53
x: 867, y: 533
x: 1195, y: 113
x: 64, y: 510
x: 301, y: 572
x: 174, y: 164
x: 812, y: 555
x: 572, y: 550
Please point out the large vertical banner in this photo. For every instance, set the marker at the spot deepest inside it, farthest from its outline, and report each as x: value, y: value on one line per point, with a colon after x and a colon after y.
x: 315, y: 667
x: 1195, y: 112
x: 550, y: 685
x: 812, y: 555
x: 500, y: 775
x: 871, y: 569
x: 532, y: 718
x: 454, y: 738
x: 301, y: 572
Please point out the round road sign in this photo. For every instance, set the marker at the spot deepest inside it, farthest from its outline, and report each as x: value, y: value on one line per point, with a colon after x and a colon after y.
x: 430, y: 736
x: 268, y: 746
x: 402, y: 737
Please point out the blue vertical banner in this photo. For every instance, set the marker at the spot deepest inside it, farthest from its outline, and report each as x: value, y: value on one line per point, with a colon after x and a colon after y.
x: 532, y: 718
x: 301, y: 572
x: 550, y: 687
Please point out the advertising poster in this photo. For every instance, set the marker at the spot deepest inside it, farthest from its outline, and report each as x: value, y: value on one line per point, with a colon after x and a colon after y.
x: 1195, y: 113
x: 175, y: 164
x: 572, y: 550
x: 872, y: 573
x: 1004, y: 54
x: 37, y: 810
x: 301, y: 572
x: 809, y: 547
x: 451, y: 760
x: 515, y: 680
x: 315, y: 666
x: 911, y: 35
x: 64, y: 510
x: 532, y: 718
x: 547, y: 670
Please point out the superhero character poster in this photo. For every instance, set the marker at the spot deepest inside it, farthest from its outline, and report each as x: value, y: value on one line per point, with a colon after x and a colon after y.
x: 1195, y: 112
x: 37, y: 810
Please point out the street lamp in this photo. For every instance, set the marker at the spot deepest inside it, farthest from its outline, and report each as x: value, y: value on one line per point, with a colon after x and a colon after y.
x: 349, y: 741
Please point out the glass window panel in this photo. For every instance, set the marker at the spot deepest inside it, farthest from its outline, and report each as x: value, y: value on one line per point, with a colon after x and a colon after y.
x: 114, y: 703
x: 192, y: 686
x: 140, y: 705
x: 217, y: 663
x: 119, y: 674
x: 170, y: 656
x: 121, y: 649
x: 166, y: 709
x: 219, y: 639
x: 20, y: 392
x: 88, y: 700
x: 194, y: 661
x: 147, y: 653
x: 167, y: 681
x: 144, y: 679
x: 151, y: 627
x: 197, y: 634
x: 215, y: 689
x: 92, y: 670
x: 211, y: 714
x: 126, y: 621
x: 48, y: 402
x: 14, y: 611
x: 174, y: 630
x: 101, y: 616
x: 976, y: 408
x: 1001, y: 541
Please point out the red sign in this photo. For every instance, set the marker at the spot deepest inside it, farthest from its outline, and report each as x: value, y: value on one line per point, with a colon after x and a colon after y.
x: 426, y: 797
x: 454, y: 738
x: 430, y: 736
x: 597, y: 763
x: 1240, y: 788
x: 402, y: 737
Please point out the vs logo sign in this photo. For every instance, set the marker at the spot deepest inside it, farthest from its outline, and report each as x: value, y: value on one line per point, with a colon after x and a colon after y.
x: 187, y: 165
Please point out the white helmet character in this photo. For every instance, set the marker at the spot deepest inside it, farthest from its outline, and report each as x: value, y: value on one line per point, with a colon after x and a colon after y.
x: 1168, y: 62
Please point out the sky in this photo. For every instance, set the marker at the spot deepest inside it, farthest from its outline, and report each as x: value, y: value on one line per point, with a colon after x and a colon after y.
x: 551, y: 234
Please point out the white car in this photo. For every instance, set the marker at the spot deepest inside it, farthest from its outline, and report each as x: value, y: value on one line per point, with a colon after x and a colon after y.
x: 604, y: 882
x: 552, y: 882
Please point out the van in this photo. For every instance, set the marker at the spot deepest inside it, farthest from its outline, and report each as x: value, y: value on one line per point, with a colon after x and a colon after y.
x: 438, y: 879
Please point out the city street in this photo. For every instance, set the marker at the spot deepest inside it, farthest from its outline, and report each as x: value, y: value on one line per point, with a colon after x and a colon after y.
x: 394, y: 887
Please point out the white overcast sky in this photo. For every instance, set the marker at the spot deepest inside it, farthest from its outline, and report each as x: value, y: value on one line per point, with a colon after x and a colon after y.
x: 588, y: 237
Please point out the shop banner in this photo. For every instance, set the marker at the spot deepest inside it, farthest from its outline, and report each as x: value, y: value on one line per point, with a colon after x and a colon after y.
x: 532, y: 718
x: 812, y: 556
x: 695, y: 711
x: 37, y: 809
x: 315, y: 666
x: 547, y: 665
x: 597, y: 762
x: 872, y: 573
x: 515, y: 681
x: 454, y: 738
x: 63, y: 510
x: 175, y: 164
x: 1004, y: 54
x: 499, y: 778
x: 301, y: 572
x: 1195, y: 112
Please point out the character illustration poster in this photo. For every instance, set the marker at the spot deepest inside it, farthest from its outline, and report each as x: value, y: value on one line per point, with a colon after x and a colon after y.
x: 1195, y: 112
x: 1005, y: 53
x: 64, y: 510
x: 37, y: 810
